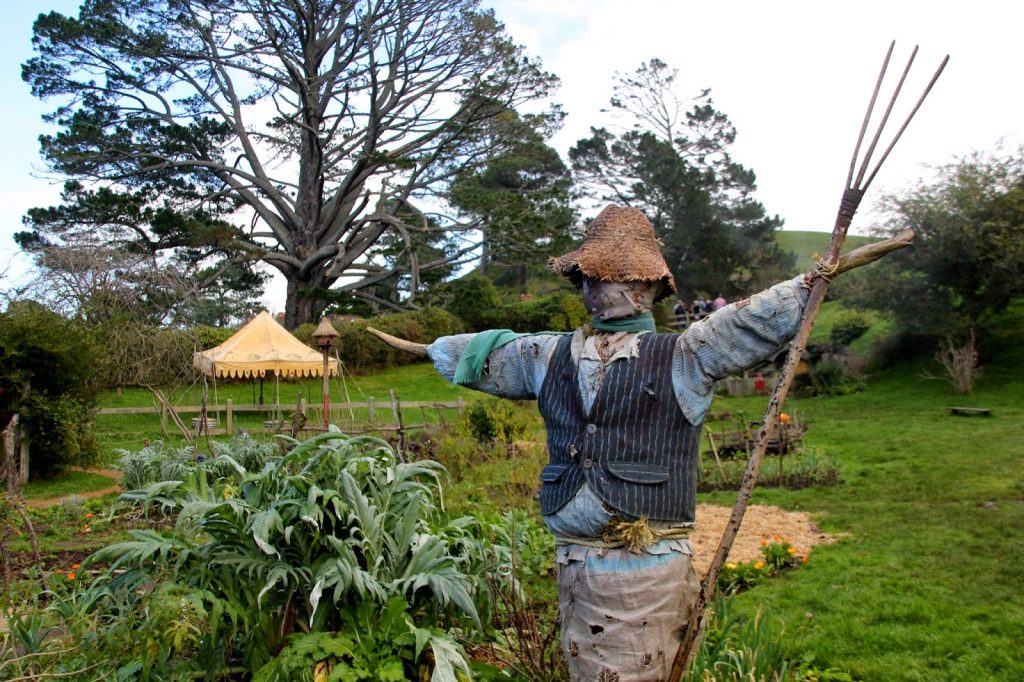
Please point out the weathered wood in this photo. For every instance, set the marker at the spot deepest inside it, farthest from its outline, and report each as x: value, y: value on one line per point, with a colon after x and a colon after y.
x: 981, y: 411
x: 229, y: 417
x: 370, y: 404
x: 400, y: 344
x: 869, y: 253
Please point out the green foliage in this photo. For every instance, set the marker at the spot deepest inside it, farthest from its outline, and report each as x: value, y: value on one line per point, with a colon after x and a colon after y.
x: 209, y: 337
x: 45, y: 376
x: 360, y: 351
x: 968, y: 249
x: 522, y: 198
x: 849, y: 326
x: 374, y: 645
x: 795, y: 470
x: 557, y: 313
x: 737, y: 647
x: 299, y: 544
x: 779, y: 555
x: 495, y: 420
x: 827, y: 378
x: 475, y: 300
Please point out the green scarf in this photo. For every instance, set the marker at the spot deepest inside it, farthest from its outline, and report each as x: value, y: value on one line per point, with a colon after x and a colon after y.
x: 637, y: 323
x: 471, y: 365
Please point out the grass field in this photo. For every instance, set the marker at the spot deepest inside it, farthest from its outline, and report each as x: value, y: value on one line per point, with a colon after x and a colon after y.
x: 925, y: 581
x: 925, y: 584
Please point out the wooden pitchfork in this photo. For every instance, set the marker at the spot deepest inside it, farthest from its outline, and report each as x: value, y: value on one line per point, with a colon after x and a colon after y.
x: 827, y: 267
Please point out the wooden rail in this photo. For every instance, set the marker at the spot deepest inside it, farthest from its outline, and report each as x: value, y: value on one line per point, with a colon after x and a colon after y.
x: 228, y: 409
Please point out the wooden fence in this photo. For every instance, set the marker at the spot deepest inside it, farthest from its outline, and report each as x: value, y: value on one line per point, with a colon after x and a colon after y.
x: 303, y: 417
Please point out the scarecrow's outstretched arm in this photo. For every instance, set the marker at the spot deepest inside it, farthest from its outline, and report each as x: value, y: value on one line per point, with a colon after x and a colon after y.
x: 854, y: 259
x: 869, y: 253
x: 400, y: 344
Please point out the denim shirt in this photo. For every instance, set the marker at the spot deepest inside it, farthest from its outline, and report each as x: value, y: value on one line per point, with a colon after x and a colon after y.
x: 728, y: 341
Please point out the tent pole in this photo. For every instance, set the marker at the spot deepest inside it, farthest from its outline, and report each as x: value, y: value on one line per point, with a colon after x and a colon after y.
x: 277, y: 398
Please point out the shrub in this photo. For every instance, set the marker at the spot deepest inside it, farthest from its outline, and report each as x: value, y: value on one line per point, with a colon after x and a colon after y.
x: 46, y: 366
x: 360, y: 350
x: 210, y: 337
x: 557, y: 313
x: 335, y: 536
x: 849, y: 326
x: 473, y: 299
x: 827, y: 378
x: 495, y: 420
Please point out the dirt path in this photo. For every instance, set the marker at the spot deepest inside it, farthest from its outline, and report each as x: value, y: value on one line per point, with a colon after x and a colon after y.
x: 760, y: 522
x: 115, y: 476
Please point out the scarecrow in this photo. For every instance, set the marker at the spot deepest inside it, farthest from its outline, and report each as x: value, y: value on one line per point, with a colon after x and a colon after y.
x: 623, y: 406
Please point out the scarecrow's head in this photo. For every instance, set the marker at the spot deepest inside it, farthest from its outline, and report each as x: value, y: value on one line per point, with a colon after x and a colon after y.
x: 619, y: 267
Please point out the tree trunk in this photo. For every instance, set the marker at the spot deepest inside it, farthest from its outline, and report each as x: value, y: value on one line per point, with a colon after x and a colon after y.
x: 300, y: 308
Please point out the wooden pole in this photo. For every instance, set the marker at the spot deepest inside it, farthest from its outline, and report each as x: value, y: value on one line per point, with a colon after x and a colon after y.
x: 229, y: 422
x: 326, y: 387
x: 819, y: 280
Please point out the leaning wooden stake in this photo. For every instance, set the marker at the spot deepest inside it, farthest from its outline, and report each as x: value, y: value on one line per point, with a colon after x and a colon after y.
x: 828, y: 267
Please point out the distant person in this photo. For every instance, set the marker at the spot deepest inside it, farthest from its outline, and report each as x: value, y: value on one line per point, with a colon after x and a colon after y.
x: 709, y: 307
x: 720, y: 302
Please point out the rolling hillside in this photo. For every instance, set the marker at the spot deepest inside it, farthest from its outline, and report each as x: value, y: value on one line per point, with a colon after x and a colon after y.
x: 806, y: 243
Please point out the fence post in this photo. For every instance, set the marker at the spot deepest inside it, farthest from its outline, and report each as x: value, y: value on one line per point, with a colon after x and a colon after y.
x: 229, y: 417
x: 163, y: 418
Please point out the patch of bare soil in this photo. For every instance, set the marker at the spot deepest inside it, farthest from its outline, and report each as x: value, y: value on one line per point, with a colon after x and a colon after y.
x: 760, y: 522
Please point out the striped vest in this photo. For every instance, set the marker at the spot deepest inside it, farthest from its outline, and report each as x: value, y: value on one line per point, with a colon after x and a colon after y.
x: 635, y: 448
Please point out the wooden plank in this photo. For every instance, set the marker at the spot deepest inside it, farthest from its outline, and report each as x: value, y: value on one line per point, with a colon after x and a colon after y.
x: 187, y: 409
x: 982, y: 411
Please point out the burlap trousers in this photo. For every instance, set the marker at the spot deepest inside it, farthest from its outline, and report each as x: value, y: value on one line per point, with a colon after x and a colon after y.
x: 623, y: 614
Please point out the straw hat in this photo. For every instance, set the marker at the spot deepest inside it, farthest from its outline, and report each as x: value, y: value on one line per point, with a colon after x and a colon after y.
x: 619, y: 246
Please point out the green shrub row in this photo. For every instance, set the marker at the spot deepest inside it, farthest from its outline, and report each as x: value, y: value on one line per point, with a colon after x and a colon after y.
x: 360, y: 351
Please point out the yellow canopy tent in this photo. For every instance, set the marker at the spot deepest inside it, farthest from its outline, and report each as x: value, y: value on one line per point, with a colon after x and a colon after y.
x: 262, y: 346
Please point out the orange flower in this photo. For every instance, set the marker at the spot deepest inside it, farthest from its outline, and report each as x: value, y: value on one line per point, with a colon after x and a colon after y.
x: 764, y: 542
x: 805, y: 560
x: 777, y: 537
x: 89, y: 515
x: 759, y: 565
x: 74, y: 567
x: 791, y: 550
x: 784, y: 418
x: 71, y: 576
x: 86, y: 529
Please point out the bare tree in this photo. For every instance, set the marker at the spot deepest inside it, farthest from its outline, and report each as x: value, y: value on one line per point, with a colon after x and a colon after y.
x: 326, y: 121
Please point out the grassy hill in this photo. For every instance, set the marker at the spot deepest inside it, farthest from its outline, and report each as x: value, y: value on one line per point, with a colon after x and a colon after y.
x: 805, y: 244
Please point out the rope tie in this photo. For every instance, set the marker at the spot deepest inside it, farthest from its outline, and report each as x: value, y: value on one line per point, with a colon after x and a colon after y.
x: 826, y: 270
x: 634, y: 536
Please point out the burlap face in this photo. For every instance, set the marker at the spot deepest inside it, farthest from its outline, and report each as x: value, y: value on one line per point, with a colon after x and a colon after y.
x: 620, y: 246
x: 616, y: 300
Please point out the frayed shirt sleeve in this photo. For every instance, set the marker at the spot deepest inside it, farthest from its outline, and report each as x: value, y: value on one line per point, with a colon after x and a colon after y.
x: 516, y: 370
x: 738, y: 336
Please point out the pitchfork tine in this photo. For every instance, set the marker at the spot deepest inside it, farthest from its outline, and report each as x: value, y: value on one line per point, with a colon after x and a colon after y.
x: 913, y: 111
x: 867, y: 115
x: 885, y: 119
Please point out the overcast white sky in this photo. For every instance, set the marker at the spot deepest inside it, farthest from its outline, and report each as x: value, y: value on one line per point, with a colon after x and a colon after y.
x: 794, y: 77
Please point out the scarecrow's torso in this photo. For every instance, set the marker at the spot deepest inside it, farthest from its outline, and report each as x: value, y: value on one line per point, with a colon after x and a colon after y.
x: 633, y: 446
